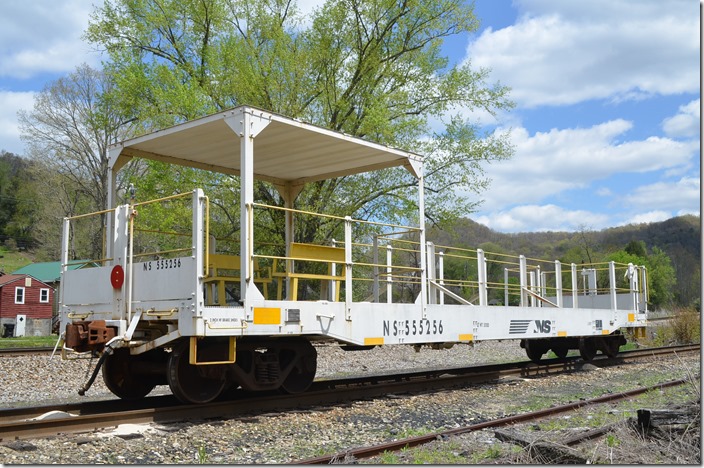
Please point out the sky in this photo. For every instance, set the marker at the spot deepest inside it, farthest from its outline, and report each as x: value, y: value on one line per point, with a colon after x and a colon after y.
x: 606, y: 123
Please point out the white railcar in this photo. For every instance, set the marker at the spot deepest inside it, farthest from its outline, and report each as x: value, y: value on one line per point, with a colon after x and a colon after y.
x: 204, y: 314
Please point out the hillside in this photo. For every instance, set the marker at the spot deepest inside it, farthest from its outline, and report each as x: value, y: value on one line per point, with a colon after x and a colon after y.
x: 679, y: 238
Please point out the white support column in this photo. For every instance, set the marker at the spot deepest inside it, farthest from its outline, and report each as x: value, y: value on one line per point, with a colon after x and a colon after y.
x: 64, y: 261
x: 246, y: 200
x: 198, y: 209
x: 481, y: 274
x: 421, y: 226
x: 575, y: 286
x: 531, y: 287
x: 558, y: 283
x: 247, y: 126
x: 523, y: 280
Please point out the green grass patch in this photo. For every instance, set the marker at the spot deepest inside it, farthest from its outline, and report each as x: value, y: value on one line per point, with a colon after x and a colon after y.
x: 28, y: 341
x: 12, y: 261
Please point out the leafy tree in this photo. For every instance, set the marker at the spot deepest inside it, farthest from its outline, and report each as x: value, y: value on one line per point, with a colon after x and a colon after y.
x: 661, y: 275
x: 18, y: 201
x: 636, y: 248
x: 372, y: 69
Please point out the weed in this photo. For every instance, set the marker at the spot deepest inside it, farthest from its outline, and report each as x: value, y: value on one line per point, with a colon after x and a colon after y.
x: 683, y: 328
x: 411, y: 432
x: 202, y: 455
x: 491, y: 453
x: 442, y: 454
x: 612, y: 441
x: 389, y: 458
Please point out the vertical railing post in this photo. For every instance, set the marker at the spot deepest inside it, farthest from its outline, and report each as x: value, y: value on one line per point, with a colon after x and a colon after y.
x: 612, y: 284
x: 523, y: 280
x: 481, y: 274
x: 64, y: 260
x: 575, y: 286
x: 558, y: 283
x: 375, y: 261
x: 389, y: 278
x: 441, y: 274
x: 539, y: 286
x: 432, y: 292
x: 505, y: 286
x: 348, y: 268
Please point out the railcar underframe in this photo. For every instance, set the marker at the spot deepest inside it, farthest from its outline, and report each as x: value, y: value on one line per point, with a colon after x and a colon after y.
x: 172, y: 317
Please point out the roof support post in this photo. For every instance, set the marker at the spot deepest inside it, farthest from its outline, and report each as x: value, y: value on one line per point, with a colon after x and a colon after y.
x: 421, y: 225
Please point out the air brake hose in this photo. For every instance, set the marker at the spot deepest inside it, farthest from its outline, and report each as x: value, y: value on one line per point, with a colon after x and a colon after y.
x: 108, y: 351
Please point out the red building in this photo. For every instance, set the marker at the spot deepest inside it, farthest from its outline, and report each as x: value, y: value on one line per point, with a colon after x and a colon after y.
x: 25, y: 306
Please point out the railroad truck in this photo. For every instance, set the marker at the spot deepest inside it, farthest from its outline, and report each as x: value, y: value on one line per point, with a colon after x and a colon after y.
x: 178, y: 300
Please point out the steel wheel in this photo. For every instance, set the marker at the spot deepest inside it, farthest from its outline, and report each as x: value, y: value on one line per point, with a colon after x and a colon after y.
x: 120, y: 377
x: 303, y: 363
x: 535, y: 350
x: 587, y: 348
x: 191, y: 383
x: 561, y: 351
x: 612, y: 346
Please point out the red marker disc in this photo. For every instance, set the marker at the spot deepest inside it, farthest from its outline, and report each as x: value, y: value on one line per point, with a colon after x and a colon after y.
x: 117, y: 277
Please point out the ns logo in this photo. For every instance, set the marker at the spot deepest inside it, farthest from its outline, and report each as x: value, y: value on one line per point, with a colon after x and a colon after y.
x: 542, y: 326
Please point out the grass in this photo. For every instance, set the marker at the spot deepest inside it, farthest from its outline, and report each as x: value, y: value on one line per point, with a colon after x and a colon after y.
x: 12, y: 261
x: 28, y: 341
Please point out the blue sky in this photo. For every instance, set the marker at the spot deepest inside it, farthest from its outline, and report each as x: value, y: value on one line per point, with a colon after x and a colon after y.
x: 606, y: 126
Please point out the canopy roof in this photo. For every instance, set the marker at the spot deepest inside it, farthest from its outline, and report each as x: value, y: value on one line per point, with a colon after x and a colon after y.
x: 286, y: 151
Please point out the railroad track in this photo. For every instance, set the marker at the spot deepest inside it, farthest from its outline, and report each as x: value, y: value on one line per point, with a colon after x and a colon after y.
x: 27, y: 351
x: 43, y: 421
x: 370, y: 451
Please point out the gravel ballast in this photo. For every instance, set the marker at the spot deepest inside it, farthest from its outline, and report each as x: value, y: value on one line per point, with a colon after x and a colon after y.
x: 292, y: 435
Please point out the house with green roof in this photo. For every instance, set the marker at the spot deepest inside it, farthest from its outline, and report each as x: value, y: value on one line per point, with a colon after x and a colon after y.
x: 50, y: 272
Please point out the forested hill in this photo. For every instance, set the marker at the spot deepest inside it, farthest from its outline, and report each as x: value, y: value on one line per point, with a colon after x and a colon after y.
x: 679, y: 238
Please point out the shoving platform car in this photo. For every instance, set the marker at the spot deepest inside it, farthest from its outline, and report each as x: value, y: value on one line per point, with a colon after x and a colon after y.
x: 175, y: 302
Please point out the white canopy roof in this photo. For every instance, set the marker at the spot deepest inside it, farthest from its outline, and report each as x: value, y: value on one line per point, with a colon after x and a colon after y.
x: 286, y: 151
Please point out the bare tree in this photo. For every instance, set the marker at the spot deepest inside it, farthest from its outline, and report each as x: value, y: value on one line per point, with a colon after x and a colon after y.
x: 69, y: 130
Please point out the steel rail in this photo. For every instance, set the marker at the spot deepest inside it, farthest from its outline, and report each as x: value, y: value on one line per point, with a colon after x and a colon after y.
x: 370, y: 451
x: 24, y: 351
x: 25, y: 423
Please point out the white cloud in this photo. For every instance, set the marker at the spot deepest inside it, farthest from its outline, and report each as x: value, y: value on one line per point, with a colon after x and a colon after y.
x: 649, y: 217
x: 685, y: 123
x: 674, y: 197
x: 10, y: 103
x: 548, y: 163
x: 564, y: 52
x: 41, y: 36
x: 542, y: 218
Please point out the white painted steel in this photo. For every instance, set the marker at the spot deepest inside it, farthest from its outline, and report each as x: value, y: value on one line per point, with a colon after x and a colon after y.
x: 290, y: 153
